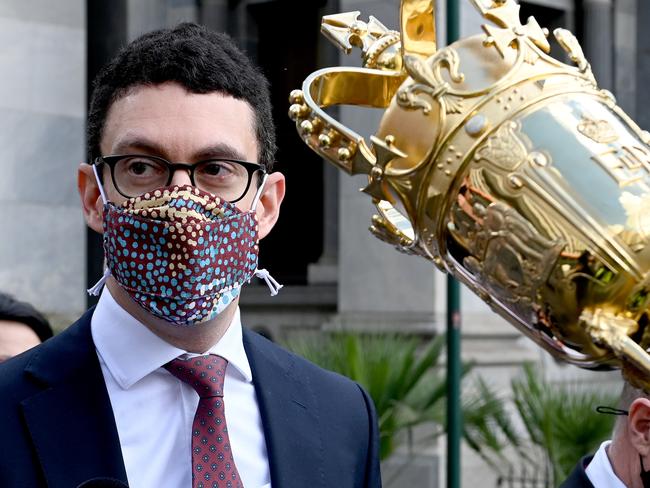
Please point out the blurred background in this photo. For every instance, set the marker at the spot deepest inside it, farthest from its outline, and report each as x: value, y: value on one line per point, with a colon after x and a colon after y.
x: 336, y: 275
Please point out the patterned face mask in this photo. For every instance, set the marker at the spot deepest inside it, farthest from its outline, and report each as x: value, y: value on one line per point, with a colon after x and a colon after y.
x: 181, y: 253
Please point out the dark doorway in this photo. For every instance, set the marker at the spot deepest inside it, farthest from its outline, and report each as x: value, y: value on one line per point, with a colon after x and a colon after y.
x: 106, y: 33
x: 287, y: 51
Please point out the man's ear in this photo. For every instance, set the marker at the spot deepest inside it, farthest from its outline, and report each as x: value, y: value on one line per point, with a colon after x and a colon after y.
x: 268, y: 208
x: 91, y: 200
x: 639, y: 425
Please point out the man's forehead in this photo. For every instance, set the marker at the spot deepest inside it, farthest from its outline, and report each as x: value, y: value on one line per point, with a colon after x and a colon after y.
x: 171, y: 93
x: 160, y: 115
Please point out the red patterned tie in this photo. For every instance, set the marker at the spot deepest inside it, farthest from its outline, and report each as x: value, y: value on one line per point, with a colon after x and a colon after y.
x: 212, y: 463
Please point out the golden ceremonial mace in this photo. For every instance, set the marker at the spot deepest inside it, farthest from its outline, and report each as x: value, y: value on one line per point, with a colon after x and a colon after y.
x: 503, y: 166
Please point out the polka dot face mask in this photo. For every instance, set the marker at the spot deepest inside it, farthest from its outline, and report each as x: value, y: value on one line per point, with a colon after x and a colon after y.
x: 181, y: 253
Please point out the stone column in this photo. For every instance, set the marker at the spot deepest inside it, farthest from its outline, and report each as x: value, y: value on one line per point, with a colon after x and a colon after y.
x: 643, y: 63
x: 599, y: 39
x: 625, y: 55
x: 325, y: 271
x: 42, y: 111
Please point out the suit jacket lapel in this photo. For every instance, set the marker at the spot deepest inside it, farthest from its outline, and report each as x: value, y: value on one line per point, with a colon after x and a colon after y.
x: 578, y: 477
x: 289, y: 414
x: 71, y: 420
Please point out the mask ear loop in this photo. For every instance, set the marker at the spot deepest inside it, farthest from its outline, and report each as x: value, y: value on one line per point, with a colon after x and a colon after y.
x: 274, y: 286
x: 99, y: 185
x: 97, y: 287
x: 263, y: 274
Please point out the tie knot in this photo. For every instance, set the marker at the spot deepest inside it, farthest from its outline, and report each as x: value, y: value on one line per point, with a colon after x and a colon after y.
x: 203, y: 373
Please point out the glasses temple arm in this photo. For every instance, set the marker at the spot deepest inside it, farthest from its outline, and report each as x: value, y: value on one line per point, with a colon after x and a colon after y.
x: 258, y: 194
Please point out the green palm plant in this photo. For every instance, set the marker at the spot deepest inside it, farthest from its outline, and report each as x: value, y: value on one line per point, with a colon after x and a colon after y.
x: 408, y: 386
x: 560, y: 420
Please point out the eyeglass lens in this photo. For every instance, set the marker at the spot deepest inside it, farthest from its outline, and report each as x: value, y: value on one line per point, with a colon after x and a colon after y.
x: 135, y: 175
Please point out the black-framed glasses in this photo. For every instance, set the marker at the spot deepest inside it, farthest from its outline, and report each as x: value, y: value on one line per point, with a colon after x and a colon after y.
x: 135, y: 174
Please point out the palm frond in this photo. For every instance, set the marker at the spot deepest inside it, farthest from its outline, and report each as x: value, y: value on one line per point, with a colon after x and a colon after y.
x: 406, y: 384
x: 561, y: 420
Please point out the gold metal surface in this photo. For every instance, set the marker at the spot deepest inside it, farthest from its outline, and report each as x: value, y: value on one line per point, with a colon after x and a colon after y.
x: 418, y: 26
x: 503, y: 166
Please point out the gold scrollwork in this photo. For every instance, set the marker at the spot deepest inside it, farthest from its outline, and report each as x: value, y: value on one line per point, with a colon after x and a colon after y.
x: 612, y: 331
x: 429, y: 81
x: 509, y: 254
x: 600, y: 131
x: 506, y: 175
x: 572, y: 47
x: 506, y: 149
x: 385, y: 230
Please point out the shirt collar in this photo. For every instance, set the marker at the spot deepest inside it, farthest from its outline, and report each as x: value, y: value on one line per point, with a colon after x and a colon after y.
x: 600, y: 471
x: 131, y: 351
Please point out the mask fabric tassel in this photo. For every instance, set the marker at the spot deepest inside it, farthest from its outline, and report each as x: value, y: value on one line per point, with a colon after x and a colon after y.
x: 97, y: 288
x: 273, y: 285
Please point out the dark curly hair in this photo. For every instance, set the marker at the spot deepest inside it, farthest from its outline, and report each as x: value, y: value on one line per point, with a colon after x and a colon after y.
x: 201, y: 60
x: 16, y: 311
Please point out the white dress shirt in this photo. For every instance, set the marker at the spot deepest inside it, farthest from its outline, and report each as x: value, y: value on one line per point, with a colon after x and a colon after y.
x: 154, y: 410
x: 600, y: 471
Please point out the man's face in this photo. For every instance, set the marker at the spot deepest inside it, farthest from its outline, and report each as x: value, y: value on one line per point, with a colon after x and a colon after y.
x: 169, y: 122
x: 15, y: 337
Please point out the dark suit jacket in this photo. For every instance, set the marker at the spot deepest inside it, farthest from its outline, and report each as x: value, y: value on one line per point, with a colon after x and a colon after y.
x: 578, y: 477
x: 57, y: 427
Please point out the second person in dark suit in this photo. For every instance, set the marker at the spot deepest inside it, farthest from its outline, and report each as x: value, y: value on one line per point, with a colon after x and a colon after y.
x: 623, y: 461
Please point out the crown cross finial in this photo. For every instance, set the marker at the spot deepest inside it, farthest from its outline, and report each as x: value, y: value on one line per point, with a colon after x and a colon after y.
x: 505, y: 14
x: 347, y: 31
x: 385, y: 152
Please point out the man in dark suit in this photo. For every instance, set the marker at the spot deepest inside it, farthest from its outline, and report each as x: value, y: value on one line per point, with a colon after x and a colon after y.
x: 160, y: 385
x: 621, y: 462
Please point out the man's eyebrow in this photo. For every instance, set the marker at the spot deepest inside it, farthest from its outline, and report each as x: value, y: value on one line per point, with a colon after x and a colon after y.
x: 138, y: 143
x: 218, y: 150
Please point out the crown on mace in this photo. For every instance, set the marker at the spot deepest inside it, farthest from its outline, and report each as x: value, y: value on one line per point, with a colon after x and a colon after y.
x: 506, y: 167
x: 406, y: 74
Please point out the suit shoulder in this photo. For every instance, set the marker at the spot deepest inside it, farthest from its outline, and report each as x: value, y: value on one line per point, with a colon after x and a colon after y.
x: 578, y: 477
x: 15, y: 384
x: 50, y: 359
x: 13, y: 370
x: 299, y: 366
